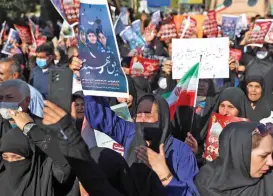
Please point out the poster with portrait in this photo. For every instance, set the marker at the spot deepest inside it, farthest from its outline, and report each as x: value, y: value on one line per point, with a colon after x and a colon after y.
x: 9, y: 46
x: 259, y: 32
x: 101, y: 74
x: 216, y: 124
x: 143, y: 67
x: 229, y: 24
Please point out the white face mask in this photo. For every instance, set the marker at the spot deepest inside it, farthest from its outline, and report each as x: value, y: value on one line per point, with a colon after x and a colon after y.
x: 56, y: 62
x: 6, y: 106
x: 162, y: 83
x: 4, y: 112
x: 261, y: 54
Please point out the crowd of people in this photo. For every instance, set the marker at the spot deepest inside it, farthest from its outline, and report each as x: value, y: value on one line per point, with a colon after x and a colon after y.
x: 44, y: 154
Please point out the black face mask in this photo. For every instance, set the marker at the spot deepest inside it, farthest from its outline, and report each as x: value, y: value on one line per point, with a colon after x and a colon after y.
x: 151, y: 132
x: 16, y: 171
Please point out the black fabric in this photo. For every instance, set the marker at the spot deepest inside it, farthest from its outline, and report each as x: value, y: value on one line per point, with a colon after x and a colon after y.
x: 30, y: 177
x: 143, y: 85
x: 64, y: 58
x: 262, y: 109
x: 77, y: 154
x: 232, y: 94
x: 116, y: 170
x: 262, y: 68
x: 147, y: 182
x: 229, y: 174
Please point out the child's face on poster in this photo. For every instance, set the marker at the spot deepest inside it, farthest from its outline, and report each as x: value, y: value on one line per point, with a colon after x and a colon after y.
x: 92, y: 38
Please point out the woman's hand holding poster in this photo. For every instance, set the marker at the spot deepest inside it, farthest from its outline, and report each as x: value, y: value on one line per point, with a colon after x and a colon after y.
x: 217, y: 123
x: 101, y: 74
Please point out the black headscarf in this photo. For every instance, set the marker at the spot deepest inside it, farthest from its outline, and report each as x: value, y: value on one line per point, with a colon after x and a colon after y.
x: 262, y: 109
x: 147, y: 181
x: 64, y: 58
x: 31, y: 176
x: 143, y: 86
x: 235, y: 96
x: 262, y: 68
x: 229, y: 174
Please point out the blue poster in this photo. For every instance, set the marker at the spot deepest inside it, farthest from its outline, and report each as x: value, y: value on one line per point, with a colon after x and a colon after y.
x: 229, y: 24
x: 101, y: 74
x: 9, y: 47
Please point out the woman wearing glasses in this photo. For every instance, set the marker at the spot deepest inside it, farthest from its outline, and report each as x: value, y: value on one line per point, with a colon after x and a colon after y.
x: 243, y: 167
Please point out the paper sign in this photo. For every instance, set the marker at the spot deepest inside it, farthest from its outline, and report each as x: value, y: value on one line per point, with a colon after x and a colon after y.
x: 96, y: 138
x: 229, y: 24
x: 122, y: 111
x: 215, y: 57
x: 210, y: 25
x: 13, y: 38
x: 24, y: 33
x: 67, y: 31
x: 188, y: 28
x: 132, y: 38
x: 269, y: 35
x: 259, y: 32
x: 236, y: 54
x: 143, y: 67
x: 101, y: 74
x: 217, y: 123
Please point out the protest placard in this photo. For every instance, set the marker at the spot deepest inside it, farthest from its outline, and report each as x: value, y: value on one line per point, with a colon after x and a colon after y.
x: 95, y: 138
x: 210, y: 25
x: 217, y: 123
x: 67, y: 31
x: 269, y: 35
x: 101, y: 74
x: 122, y: 111
x: 215, y: 56
x: 236, y: 54
x: 68, y: 10
x: 143, y: 67
x: 229, y: 24
x: 13, y: 38
x: 24, y: 33
x: 259, y: 32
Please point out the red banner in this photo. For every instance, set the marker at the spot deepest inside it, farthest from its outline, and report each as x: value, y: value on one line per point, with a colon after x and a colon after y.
x: 24, y: 34
x: 217, y: 123
x: 143, y: 67
x: 210, y: 26
x: 236, y: 54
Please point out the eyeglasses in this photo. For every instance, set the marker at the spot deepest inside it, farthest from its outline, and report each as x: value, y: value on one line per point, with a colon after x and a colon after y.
x: 264, y: 129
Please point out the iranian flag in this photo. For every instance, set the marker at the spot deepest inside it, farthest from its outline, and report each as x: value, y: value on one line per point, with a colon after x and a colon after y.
x: 185, y: 92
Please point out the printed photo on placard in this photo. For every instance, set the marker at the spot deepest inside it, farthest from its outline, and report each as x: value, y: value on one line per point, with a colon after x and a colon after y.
x: 101, y: 74
x: 13, y: 38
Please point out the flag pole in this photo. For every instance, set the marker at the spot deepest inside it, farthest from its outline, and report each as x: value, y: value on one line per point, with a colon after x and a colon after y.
x: 194, y: 108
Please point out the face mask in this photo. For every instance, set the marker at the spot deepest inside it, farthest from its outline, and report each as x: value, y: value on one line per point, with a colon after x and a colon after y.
x: 41, y: 63
x: 261, y: 54
x: 56, y: 62
x: 16, y: 171
x: 150, y: 131
x: 13, y: 126
x: 6, y: 106
x: 162, y: 83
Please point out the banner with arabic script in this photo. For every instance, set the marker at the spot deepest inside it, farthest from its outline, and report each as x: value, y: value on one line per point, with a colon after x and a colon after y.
x: 101, y: 74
